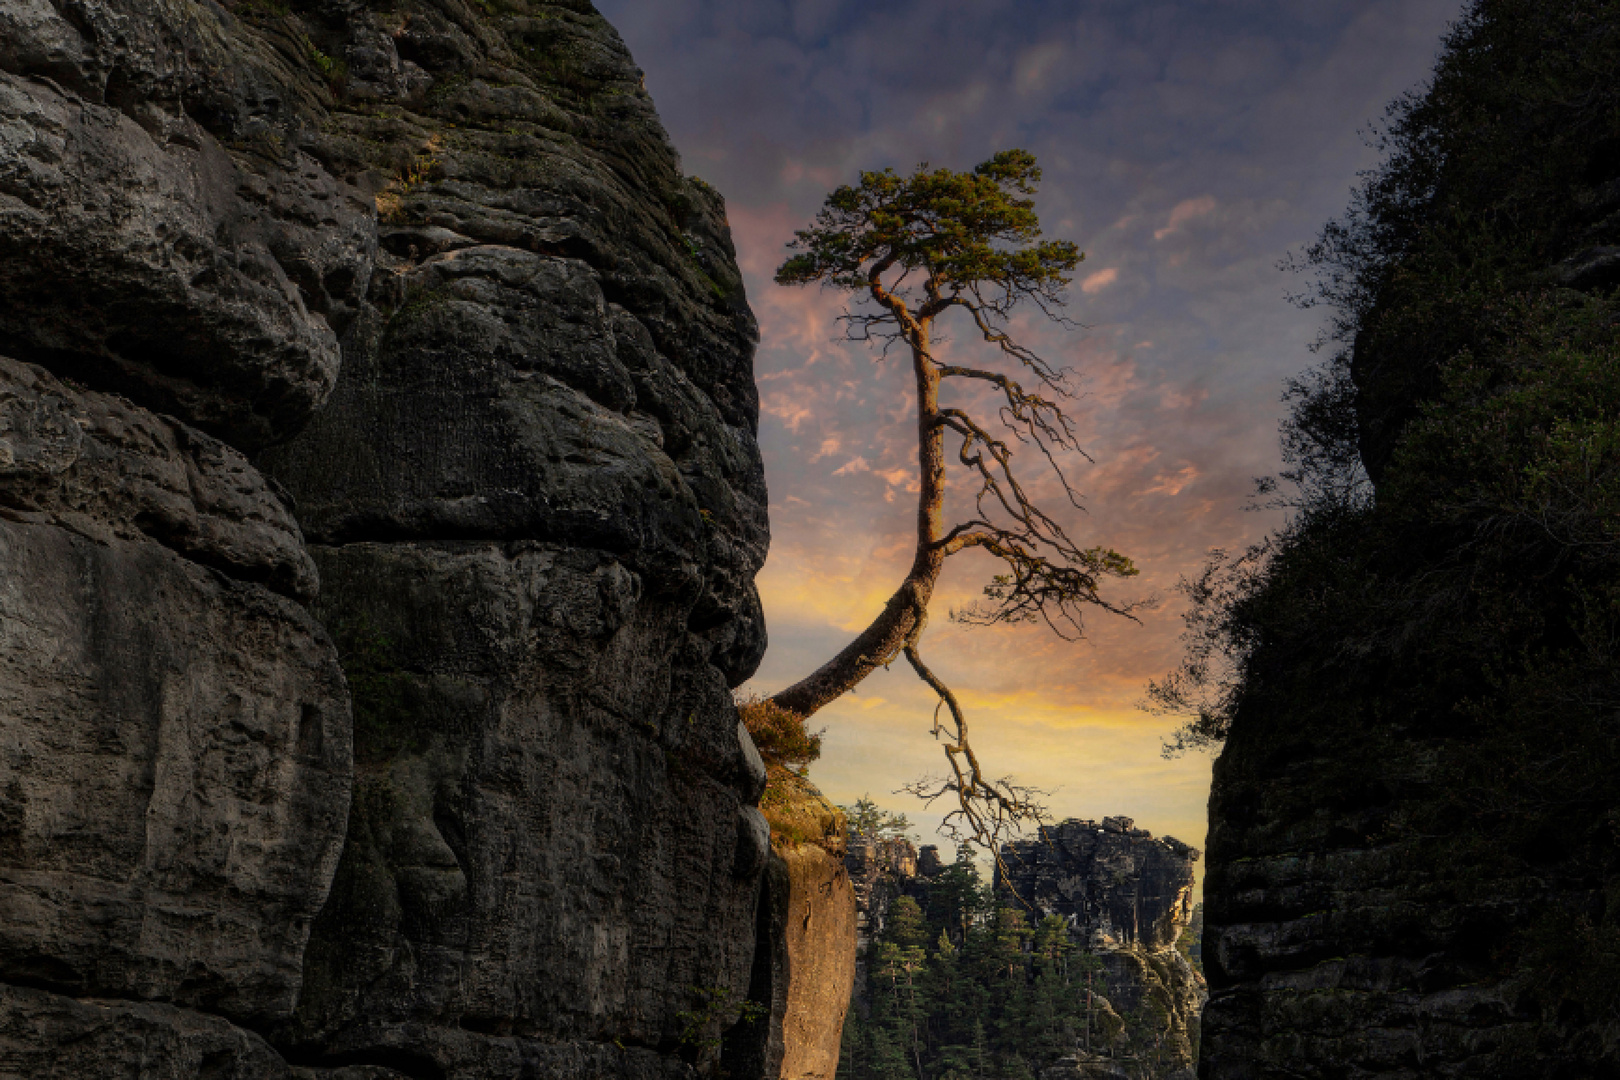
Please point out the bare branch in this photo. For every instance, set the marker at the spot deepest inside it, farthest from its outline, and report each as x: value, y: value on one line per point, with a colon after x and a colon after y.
x: 988, y: 812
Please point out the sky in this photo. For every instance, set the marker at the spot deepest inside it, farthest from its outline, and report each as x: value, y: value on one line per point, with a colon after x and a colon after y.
x: 1187, y: 146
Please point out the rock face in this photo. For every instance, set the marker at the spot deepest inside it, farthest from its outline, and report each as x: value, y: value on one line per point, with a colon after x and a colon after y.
x: 804, y: 966
x: 881, y: 868
x: 1123, y: 898
x: 1414, y: 847
x: 176, y: 769
x: 1109, y: 880
x: 379, y: 511
x: 163, y: 232
x: 1127, y: 897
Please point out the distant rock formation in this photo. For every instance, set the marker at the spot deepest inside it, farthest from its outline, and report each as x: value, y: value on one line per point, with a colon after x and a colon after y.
x: 1113, y: 883
x: 1127, y: 897
x: 379, y: 512
x: 881, y: 868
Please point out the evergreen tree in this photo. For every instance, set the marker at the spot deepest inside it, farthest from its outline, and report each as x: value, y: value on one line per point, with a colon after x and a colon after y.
x: 959, y: 989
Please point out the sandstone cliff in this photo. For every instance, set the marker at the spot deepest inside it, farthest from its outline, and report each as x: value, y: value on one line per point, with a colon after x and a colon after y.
x: 804, y: 963
x: 1128, y: 897
x: 1066, y: 967
x: 379, y: 510
x: 1414, y: 848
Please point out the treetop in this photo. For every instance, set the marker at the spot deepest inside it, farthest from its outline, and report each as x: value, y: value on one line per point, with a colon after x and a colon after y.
x: 963, y: 229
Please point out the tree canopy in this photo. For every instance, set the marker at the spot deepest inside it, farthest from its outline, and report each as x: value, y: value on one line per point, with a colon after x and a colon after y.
x: 869, y: 819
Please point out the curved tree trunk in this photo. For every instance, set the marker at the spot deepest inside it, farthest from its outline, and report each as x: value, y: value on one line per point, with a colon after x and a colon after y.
x: 906, y: 611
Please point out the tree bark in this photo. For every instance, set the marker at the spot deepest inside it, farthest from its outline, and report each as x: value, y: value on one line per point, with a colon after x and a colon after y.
x: 906, y: 612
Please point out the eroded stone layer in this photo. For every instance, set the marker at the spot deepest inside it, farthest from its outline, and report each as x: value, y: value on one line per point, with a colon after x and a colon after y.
x: 162, y: 231
x: 537, y: 504
x: 174, y: 778
x: 534, y: 497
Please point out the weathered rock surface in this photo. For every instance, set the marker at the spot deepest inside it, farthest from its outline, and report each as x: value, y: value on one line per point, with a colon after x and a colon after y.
x: 176, y: 764
x: 810, y: 940
x: 438, y: 268
x: 106, y: 470
x: 537, y: 506
x: 161, y: 231
x: 177, y: 756
x: 51, y: 1037
x: 498, y: 701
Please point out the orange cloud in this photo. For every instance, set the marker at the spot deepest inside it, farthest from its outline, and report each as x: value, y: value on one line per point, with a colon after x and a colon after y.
x: 852, y: 466
x: 789, y: 409
x: 1172, y: 483
x: 900, y: 478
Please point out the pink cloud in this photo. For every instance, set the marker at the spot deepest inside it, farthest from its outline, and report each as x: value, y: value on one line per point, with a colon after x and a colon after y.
x: 900, y: 478
x: 1185, y: 211
x: 794, y: 170
x: 829, y: 446
x: 1172, y: 483
x: 1099, y: 281
x: 1177, y: 399
x: 787, y: 408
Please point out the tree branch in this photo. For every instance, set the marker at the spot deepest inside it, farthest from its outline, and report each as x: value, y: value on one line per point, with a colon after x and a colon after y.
x: 988, y: 812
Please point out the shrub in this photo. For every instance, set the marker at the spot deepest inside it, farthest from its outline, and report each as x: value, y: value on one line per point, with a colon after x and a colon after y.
x: 780, y: 734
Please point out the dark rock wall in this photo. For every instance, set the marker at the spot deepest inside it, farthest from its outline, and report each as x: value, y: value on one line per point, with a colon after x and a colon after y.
x: 177, y: 766
x: 1414, y: 846
x: 379, y: 511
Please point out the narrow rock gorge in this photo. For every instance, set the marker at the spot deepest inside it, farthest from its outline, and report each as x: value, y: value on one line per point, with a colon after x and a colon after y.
x: 379, y: 512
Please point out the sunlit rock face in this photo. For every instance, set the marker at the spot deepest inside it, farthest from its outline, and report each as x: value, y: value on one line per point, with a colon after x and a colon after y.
x: 1111, y: 881
x: 1127, y: 897
x: 804, y: 963
x: 879, y: 868
x: 379, y: 512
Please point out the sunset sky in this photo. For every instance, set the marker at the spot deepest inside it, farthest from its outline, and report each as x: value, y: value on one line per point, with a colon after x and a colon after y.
x: 1187, y: 148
